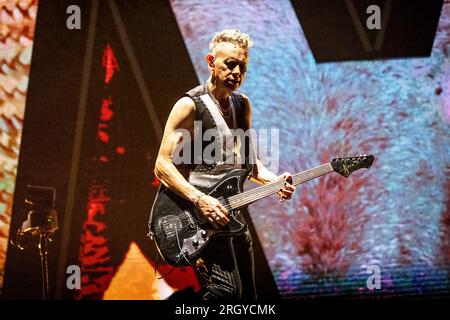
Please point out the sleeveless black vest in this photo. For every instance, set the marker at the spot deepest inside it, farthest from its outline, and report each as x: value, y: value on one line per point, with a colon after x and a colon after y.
x: 208, y: 122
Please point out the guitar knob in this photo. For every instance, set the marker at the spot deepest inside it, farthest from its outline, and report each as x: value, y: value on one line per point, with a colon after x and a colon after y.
x: 195, y: 242
x: 203, y: 233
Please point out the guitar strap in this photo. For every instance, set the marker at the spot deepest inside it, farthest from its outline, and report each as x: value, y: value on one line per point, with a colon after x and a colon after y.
x: 249, y: 151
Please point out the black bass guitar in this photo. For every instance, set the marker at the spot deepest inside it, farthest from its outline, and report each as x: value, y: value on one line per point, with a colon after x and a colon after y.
x: 181, y: 232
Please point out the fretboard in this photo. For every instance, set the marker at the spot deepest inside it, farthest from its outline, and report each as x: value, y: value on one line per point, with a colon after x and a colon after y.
x: 245, y: 198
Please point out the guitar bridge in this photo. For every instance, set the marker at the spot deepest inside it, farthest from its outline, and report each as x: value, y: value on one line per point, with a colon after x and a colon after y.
x: 191, y: 221
x: 170, y: 225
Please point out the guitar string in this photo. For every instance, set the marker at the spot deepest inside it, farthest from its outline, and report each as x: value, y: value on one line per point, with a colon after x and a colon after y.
x: 176, y: 262
x: 239, y: 200
x: 257, y: 193
x: 184, y: 219
x: 181, y: 250
x: 254, y: 194
x: 296, y: 180
x: 261, y: 192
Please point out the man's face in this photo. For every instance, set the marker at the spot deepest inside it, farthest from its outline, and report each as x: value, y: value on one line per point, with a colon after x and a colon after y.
x: 230, y: 65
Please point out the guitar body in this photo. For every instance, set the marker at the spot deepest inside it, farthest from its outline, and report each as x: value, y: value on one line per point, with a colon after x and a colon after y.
x: 181, y: 232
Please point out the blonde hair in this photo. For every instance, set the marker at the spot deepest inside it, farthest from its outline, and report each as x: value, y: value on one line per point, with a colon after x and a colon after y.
x: 233, y: 36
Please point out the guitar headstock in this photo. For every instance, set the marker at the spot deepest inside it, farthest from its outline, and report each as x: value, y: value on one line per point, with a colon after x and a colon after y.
x: 345, y: 166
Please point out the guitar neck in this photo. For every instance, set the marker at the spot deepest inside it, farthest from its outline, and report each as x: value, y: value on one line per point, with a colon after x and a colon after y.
x: 245, y: 198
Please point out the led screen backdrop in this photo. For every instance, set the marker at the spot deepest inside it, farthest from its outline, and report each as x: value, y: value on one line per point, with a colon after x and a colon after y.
x: 394, y: 217
x: 17, y: 20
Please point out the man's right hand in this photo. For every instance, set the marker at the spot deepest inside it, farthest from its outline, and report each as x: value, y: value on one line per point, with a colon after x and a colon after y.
x: 213, y: 210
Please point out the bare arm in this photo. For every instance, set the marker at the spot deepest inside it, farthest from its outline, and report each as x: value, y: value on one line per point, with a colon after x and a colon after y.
x: 263, y: 175
x: 182, y: 116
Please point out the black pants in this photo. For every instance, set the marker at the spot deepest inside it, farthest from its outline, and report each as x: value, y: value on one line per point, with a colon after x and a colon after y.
x: 230, y: 265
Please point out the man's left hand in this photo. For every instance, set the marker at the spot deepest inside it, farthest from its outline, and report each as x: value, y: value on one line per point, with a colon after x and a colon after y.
x: 288, y: 189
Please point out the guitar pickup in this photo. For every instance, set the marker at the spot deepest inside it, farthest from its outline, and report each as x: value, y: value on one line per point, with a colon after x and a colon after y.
x: 170, y: 225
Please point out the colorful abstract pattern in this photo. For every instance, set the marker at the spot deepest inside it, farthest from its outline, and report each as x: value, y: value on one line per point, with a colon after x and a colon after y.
x: 395, y: 215
x: 17, y: 21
